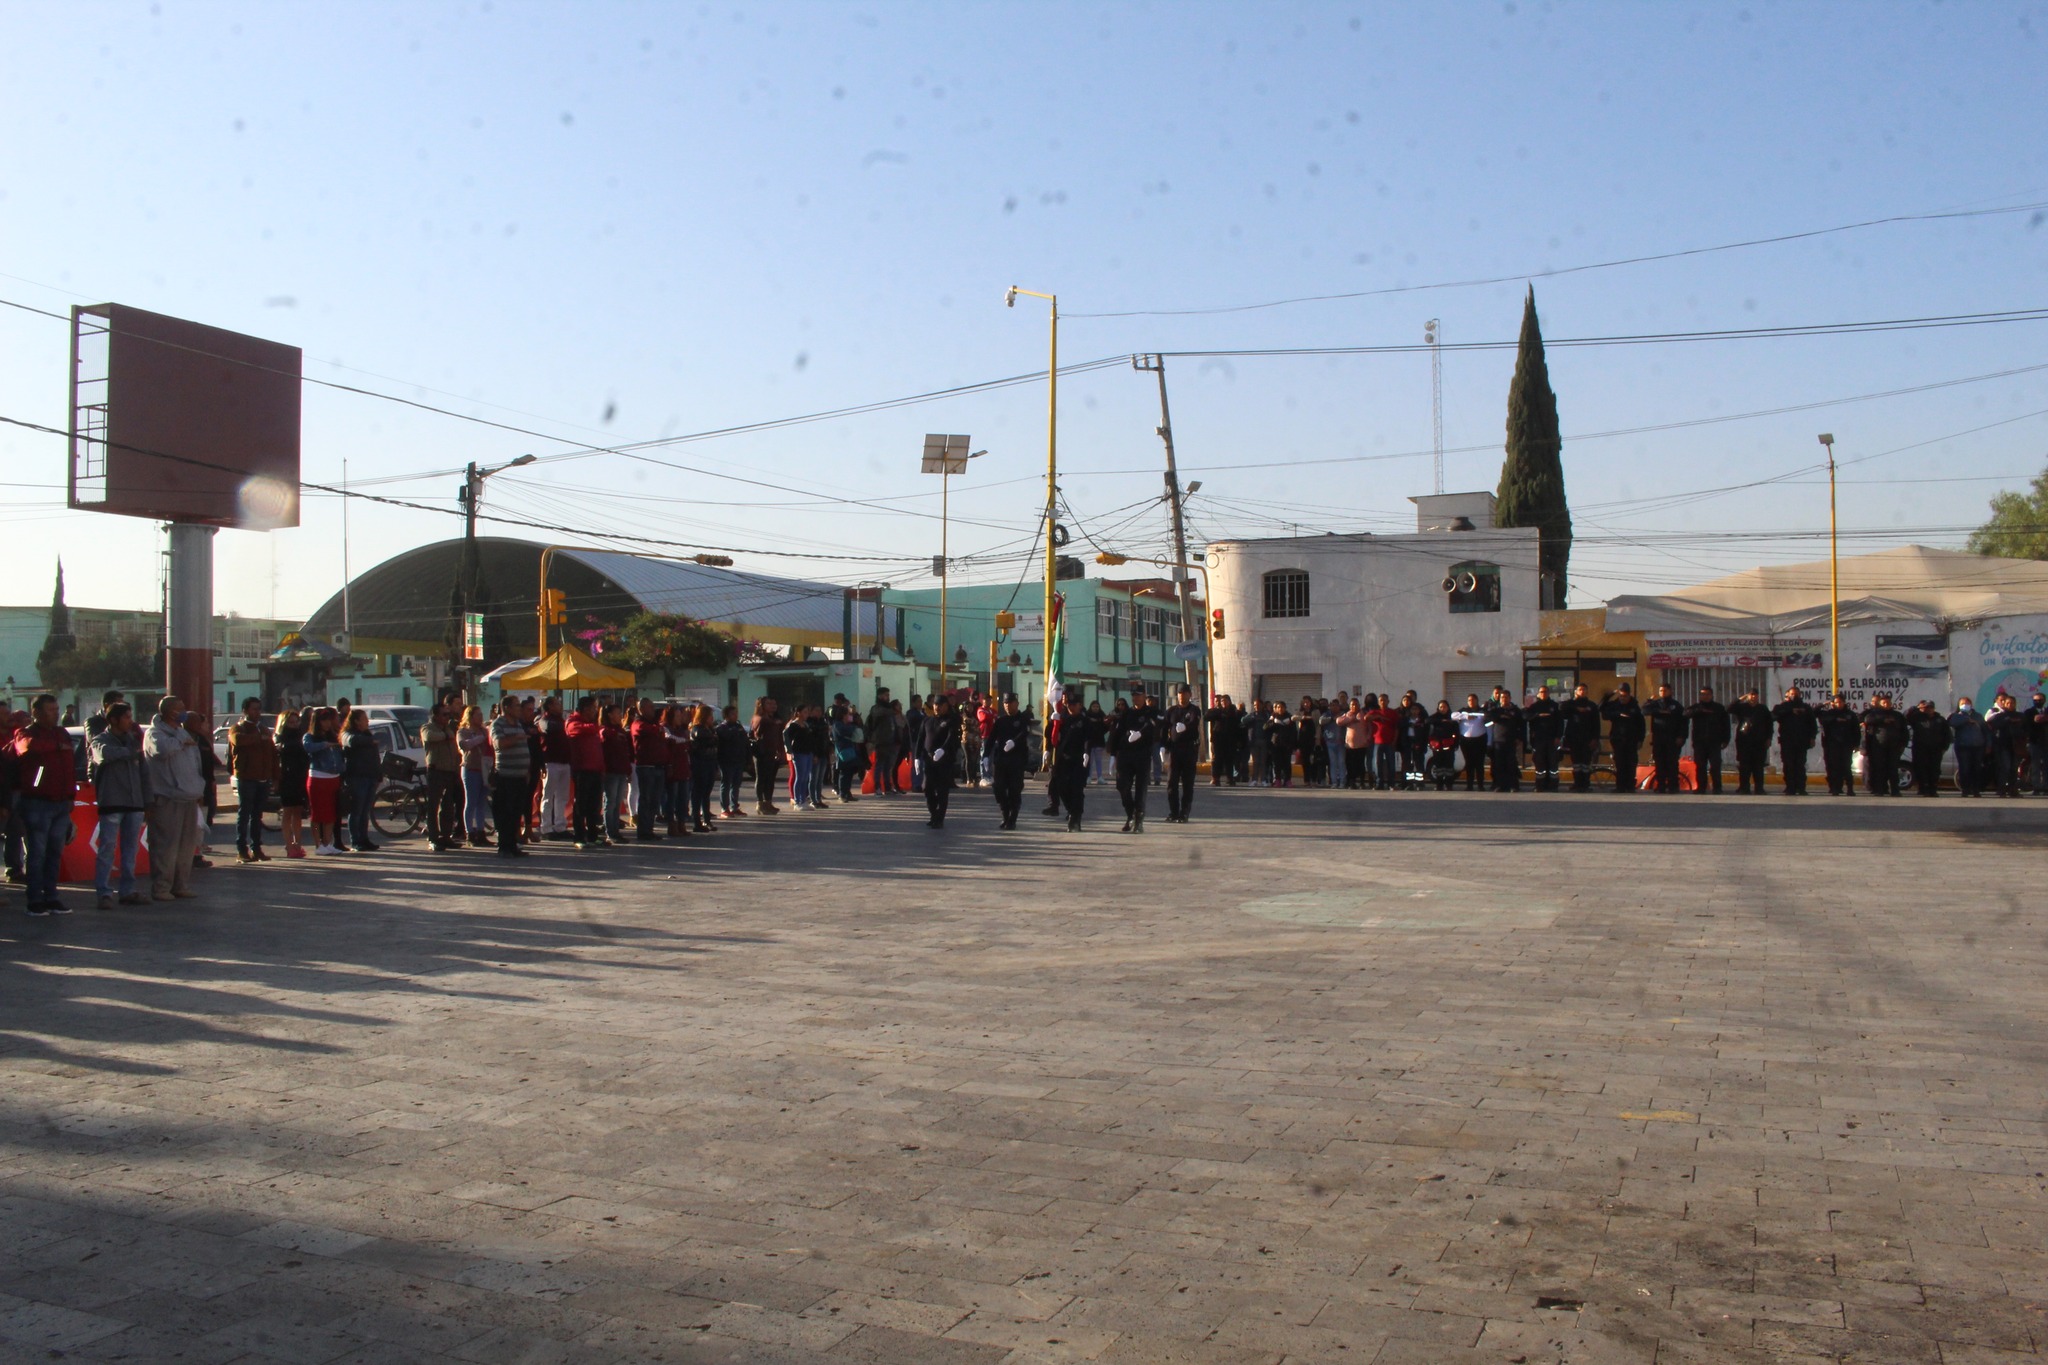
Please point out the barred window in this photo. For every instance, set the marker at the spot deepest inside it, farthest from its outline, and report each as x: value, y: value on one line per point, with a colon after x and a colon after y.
x: 1287, y: 592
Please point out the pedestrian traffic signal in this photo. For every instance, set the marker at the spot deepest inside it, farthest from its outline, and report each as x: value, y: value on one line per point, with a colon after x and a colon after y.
x: 554, y: 608
x: 1216, y: 624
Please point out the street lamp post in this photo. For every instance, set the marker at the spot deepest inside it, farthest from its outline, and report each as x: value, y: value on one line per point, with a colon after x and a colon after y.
x: 946, y: 456
x: 1052, y: 476
x: 470, y: 495
x: 1827, y: 438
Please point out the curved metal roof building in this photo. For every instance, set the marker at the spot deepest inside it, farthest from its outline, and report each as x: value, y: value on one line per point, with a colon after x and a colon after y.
x: 408, y: 604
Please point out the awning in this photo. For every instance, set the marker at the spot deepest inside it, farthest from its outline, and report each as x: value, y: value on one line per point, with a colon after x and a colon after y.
x: 567, y: 669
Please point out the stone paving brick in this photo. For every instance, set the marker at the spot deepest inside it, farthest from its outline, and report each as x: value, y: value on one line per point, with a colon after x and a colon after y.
x: 997, y: 1099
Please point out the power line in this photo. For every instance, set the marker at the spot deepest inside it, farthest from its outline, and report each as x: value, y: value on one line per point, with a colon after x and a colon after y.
x: 1551, y: 273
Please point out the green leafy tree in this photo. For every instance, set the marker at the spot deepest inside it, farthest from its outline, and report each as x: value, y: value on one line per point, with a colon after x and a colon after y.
x: 86, y: 667
x: 2018, y: 528
x: 1532, y: 476
x: 667, y: 643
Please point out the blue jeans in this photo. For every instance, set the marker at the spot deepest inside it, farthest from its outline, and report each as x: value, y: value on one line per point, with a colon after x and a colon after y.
x: 732, y: 774
x: 44, y: 823
x: 702, y: 779
x: 251, y: 796
x: 363, y: 792
x: 801, y: 766
x: 650, y: 786
x: 120, y: 832
x: 818, y: 766
x: 615, y: 788
x: 476, y: 800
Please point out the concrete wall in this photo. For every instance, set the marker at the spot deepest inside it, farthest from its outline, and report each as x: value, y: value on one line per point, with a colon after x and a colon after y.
x: 1379, y: 619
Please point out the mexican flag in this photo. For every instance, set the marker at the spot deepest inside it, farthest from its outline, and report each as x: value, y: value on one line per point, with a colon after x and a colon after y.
x: 1055, y: 650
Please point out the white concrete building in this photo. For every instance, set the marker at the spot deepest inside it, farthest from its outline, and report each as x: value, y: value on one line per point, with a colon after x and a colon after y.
x: 1444, y: 611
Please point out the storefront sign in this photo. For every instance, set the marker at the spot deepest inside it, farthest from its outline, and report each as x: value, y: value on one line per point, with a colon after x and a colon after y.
x: 1735, y: 651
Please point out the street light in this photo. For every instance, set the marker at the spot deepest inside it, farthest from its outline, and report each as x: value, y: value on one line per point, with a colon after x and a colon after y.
x: 1827, y: 438
x: 945, y: 456
x: 470, y: 495
x: 1052, y: 472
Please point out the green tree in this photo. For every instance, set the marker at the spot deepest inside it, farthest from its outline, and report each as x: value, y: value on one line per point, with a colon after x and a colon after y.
x: 2018, y: 528
x: 59, y: 639
x: 667, y: 643
x: 86, y: 667
x: 1532, y: 476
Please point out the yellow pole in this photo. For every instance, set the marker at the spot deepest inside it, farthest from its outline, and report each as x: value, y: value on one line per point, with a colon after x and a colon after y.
x: 1834, y: 577
x: 547, y: 555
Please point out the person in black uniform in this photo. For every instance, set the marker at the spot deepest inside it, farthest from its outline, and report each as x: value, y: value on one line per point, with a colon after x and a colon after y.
x: 1579, y: 716
x: 938, y: 747
x: 1708, y: 721
x: 1931, y: 736
x: 1797, y: 724
x: 1751, y: 721
x: 1666, y: 718
x: 1624, y: 736
x: 1840, y: 732
x: 1009, y: 752
x: 1884, y: 739
x: 1225, y: 733
x: 1182, y: 732
x: 1544, y: 720
x: 1068, y: 757
x: 1130, y: 745
x: 1504, y: 741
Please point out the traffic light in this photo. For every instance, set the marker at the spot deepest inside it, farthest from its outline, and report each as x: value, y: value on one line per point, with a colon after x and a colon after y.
x: 554, y: 608
x: 1216, y: 624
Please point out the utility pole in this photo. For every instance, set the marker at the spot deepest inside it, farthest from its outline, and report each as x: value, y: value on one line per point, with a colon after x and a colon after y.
x: 470, y: 495
x: 1433, y: 333
x: 1156, y: 364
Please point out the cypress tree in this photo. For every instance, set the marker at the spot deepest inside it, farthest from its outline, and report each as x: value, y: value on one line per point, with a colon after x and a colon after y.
x: 1532, y: 476
x: 58, y: 640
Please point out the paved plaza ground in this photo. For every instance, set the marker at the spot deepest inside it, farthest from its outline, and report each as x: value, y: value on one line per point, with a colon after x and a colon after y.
x: 1400, y: 1079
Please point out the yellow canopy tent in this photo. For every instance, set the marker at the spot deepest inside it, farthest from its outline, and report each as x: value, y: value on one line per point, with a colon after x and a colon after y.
x: 568, y: 669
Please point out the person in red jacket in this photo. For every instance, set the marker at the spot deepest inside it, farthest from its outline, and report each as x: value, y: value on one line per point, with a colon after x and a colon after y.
x: 585, y: 736
x: 1386, y: 744
x: 618, y: 772
x: 650, y: 772
x: 45, y: 786
x: 677, y: 773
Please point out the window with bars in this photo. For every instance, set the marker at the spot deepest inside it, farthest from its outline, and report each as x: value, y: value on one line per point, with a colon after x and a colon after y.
x: 1286, y: 592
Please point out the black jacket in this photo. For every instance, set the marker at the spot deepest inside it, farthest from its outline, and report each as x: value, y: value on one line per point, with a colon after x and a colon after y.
x: 1073, y: 736
x: 1581, y: 716
x: 1710, y: 726
x: 1013, y: 731
x: 1141, y: 722
x: 1884, y: 731
x: 1624, y: 723
x: 1181, y: 728
x: 1751, y: 721
x: 1931, y: 733
x: 1798, y: 723
x: 1840, y: 726
x: 939, y: 735
x: 735, y: 745
x: 1666, y: 719
x: 1503, y: 724
x: 1545, y: 719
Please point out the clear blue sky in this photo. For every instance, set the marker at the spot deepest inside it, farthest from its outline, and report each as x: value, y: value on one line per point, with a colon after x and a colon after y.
x: 694, y: 216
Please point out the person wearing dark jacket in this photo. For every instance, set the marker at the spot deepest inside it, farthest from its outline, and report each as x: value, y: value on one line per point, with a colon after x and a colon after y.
x: 1067, y: 756
x: 1504, y: 741
x: 1226, y: 733
x: 45, y: 786
x: 766, y: 737
x: 1131, y: 742
x: 1885, y: 735
x: 2036, y: 718
x: 252, y: 765
x: 121, y: 788
x: 1931, y: 736
x: 1841, y: 730
x: 1181, y: 732
x: 1667, y: 720
x: 1281, y: 737
x: 734, y: 748
x: 1579, y: 718
x: 1624, y: 736
x: 938, y: 754
x: 1966, y: 729
x: 1797, y: 723
x: 2005, y: 743
x: 362, y: 768
x: 1707, y: 719
x: 1009, y: 753
x: 1545, y: 721
x: 1751, y: 721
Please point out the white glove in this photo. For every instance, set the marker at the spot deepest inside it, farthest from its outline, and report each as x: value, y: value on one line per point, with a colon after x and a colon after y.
x: 1180, y: 727
x: 1134, y: 736
x: 1009, y: 744
x: 938, y: 755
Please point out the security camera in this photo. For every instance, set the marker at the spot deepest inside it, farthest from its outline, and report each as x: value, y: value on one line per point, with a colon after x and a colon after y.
x: 1010, y: 299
